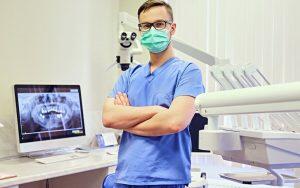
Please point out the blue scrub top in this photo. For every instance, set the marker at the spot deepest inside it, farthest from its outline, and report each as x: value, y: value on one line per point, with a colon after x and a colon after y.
x: 159, y: 160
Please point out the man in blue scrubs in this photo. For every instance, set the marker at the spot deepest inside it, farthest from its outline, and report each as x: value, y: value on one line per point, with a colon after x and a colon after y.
x: 153, y: 104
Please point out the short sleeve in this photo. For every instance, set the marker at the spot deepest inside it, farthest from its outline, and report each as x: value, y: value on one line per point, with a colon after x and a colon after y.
x: 123, y: 82
x: 121, y: 85
x: 190, y: 82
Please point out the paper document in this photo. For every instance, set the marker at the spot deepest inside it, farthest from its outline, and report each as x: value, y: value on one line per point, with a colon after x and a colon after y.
x: 109, y: 139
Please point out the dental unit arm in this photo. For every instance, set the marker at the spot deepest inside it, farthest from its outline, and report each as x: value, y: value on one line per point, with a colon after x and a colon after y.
x: 269, y: 149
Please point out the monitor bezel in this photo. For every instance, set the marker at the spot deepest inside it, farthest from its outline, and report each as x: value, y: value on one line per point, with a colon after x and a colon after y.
x: 17, y: 86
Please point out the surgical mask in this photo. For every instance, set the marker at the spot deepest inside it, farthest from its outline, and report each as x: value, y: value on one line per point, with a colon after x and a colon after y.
x: 155, y: 41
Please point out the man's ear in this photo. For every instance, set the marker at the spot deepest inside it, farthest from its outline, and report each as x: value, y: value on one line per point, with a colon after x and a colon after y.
x: 173, y: 29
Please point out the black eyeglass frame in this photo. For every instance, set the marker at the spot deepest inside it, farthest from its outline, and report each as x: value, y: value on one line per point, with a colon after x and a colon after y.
x: 153, y: 25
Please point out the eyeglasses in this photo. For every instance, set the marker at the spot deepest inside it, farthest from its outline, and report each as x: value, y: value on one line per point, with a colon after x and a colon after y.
x: 158, y: 25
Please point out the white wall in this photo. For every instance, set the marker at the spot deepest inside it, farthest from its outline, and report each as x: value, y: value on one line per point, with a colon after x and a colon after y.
x: 130, y: 6
x: 61, y: 42
x: 262, y: 32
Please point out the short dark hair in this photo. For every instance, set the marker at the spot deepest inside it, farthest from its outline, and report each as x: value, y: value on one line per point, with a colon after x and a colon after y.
x: 155, y: 3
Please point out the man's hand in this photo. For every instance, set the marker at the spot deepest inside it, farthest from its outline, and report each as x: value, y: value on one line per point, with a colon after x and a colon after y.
x: 121, y: 99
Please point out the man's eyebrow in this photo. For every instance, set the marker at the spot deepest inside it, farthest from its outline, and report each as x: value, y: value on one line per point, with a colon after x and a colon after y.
x: 153, y: 22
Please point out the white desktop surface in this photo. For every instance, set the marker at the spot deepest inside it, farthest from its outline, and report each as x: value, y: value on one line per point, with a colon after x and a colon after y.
x: 28, y: 170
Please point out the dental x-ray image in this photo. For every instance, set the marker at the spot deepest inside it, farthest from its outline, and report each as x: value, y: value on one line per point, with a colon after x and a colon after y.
x: 49, y: 115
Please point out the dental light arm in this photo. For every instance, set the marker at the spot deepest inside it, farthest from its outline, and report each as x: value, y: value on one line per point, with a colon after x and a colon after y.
x: 271, y: 98
x: 265, y: 99
x: 194, y: 52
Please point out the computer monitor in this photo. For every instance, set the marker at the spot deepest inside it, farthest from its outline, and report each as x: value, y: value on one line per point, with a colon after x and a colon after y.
x: 49, y: 117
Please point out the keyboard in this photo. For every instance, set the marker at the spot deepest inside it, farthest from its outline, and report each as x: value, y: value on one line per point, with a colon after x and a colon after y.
x: 60, y: 158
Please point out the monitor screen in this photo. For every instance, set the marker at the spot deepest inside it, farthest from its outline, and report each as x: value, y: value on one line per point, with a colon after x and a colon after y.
x: 47, y: 112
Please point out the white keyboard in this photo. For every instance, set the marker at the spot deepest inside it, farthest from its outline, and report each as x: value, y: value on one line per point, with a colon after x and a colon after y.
x: 59, y: 158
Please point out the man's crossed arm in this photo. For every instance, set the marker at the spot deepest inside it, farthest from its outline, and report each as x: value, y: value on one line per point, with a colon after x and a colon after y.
x: 148, y: 120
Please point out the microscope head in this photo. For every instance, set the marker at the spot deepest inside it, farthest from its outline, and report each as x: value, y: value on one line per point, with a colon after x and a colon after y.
x: 126, y: 39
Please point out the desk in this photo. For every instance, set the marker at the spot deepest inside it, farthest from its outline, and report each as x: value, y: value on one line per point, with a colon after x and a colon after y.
x: 78, y: 173
x: 89, y: 172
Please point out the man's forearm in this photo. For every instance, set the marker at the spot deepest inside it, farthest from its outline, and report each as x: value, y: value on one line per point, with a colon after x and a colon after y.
x: 170, y: 121
x: 123, y: 117
x: 161, y: 124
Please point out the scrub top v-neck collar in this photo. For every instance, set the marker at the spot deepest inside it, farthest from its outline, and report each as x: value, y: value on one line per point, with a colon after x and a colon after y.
x: 150, y: 76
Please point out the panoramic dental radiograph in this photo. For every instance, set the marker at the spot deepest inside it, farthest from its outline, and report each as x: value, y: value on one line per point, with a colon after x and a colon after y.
x: 49, y: 113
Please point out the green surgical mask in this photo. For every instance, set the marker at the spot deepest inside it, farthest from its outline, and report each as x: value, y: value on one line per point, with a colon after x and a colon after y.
x: 155, y: 41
